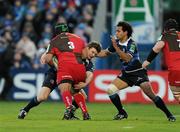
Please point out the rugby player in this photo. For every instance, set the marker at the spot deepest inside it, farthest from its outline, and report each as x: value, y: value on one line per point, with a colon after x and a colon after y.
x: 169, y: 42
x: 87, y: 52
x: 132, y: 71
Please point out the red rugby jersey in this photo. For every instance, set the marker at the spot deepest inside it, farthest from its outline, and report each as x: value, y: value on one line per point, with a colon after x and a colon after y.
x: 67, y: 47
x: 171, y: 49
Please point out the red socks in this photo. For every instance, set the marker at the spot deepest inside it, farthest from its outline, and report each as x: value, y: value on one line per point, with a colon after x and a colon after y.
x: 80, y: 100
x: 67, y: 98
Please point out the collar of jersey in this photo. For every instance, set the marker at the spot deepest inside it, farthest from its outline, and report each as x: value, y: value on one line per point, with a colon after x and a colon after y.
x: 125, y: 43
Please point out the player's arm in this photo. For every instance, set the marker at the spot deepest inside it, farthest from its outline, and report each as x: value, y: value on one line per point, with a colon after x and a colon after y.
x: 103, y: 53
x: 48, y: 56
x: 155, y: 50
x: 124, y: 56
x: 89, y: 77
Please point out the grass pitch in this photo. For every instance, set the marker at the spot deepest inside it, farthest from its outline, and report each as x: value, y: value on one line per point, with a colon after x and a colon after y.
x: 47, y: 118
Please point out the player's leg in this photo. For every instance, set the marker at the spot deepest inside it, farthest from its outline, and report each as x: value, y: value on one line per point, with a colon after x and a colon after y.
x: 65, y: 88
x: 174, y: 82
x: 49, y: 84
x: 74, y: 102
x: 78, y: 96
x: 176, y: 92
x: 66, y: 94
x: 147, y: 89
x: 42, y: 96
x: 80, y: 100
x: 115, y: 86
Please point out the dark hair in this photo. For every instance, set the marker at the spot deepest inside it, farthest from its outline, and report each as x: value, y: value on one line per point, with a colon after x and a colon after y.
x: 170, y: 24
x: 60, y: 28
x: 126, y: 27
x: 96, y: 45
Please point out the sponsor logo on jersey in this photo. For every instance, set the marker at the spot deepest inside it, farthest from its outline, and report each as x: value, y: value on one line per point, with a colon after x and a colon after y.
x: 132, y: 48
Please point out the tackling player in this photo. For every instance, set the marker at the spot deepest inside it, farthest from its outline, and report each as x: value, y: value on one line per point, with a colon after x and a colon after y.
x: 50, y: 83
x: 169, y: 42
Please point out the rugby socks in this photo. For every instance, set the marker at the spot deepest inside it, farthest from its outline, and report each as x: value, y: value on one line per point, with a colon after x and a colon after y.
x: 67, y: 98
x: 34, y: 102
x: 80, y: 100
x: 75, y: 104
x: 116, y: 101
x: 160, y: 104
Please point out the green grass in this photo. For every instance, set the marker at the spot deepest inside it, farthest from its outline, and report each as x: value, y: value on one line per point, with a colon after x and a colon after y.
x: 47, y: 118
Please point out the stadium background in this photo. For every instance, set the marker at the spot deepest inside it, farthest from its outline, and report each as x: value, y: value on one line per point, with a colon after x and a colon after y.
x: 31, y: 23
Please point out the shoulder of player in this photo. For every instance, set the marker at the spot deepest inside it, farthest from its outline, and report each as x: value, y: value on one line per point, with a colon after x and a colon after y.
x: 131, y: 42
x: 72, y: 35
x: 54, y: 39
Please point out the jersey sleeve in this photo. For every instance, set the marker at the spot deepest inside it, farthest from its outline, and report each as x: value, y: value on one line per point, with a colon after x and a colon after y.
x: 50, y: 48
x: 111, y: 49
x: 131, y: 49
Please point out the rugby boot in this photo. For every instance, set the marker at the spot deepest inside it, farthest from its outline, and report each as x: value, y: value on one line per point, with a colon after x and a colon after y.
x: 22, y: 114
x: 121, y: 115
x: 69, y: 114
x: 86, y: 116
x: 171, y: 118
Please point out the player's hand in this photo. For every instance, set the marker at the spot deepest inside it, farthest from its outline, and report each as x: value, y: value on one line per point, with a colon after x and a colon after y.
x: 80, y: 85
x: 42, y: 59
x: 113, y: 39
x: 114, y: 42
x: 145, y: 64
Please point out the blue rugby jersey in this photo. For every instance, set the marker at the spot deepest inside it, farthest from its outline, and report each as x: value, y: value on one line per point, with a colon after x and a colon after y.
x: 88, y: 65
x: 128, y: 47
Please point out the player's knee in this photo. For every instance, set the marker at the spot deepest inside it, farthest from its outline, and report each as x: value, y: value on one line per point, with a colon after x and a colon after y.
x: 83, y: 93
x: 177, y: 97
x: 42, y: 98
x: 112, y: 89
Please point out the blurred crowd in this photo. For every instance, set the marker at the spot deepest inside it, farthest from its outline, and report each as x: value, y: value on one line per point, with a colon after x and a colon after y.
x: 26, y: 27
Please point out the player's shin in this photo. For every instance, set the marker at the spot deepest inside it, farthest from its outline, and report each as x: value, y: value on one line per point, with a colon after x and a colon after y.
x: 67, y: 98
x: 80, y: 100
x: 34, y: 102
x: 161, y: 105
x: 114, y: 97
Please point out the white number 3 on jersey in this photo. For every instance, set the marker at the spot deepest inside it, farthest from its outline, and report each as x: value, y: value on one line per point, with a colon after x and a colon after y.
x: 71, y: 45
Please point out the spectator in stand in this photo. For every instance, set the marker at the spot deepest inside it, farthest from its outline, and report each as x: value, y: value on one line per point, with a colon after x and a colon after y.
x: 61, y: 19
x: 6, y: 57
x: 26, y: 47
x: 29, y: 29
x: 33, y: 16
x: 19, y: 11
x: 42, y: 46
x: 8, y: 19
x: 80, y: 31
x: 47, y: 33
